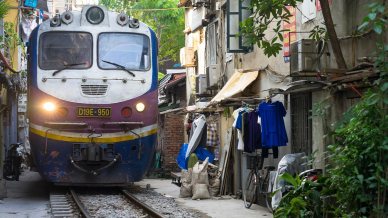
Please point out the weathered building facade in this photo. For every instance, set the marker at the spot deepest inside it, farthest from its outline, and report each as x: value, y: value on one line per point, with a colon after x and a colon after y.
x: 172, y: 100
x: 313, y: 90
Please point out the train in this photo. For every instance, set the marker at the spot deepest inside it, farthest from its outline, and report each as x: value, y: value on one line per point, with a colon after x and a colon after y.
x: 92, y: 98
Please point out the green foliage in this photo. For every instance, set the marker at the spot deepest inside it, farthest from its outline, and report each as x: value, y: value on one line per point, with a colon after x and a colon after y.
x: 10, y: 40
x: 303, y: 199
x: 168, y: 24
x: 266, y: 12
x: 318, y: 33
x: 160, y: 76
x: 357, y: 175
x: 117, y: 5
x: 4, y: 7
x: 376, y: 19
x: 358, y: 170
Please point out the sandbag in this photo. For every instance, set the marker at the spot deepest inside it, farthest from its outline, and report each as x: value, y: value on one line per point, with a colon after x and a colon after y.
x: 200, y: 191
x: 199, y: 174
x: 186, y: 187
x: 214, y: 187
x: 186, y: 190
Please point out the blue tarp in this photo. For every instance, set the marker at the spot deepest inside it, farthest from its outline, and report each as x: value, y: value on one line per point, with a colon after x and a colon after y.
x: 201, y: 152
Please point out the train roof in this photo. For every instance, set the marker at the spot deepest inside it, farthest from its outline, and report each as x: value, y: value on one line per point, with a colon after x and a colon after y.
x: 94, y: 19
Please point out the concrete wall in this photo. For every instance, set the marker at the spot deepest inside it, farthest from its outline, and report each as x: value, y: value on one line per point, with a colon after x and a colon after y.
x: 347, y: 16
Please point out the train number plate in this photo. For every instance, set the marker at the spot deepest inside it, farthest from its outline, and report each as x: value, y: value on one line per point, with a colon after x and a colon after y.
x: 94, y: 112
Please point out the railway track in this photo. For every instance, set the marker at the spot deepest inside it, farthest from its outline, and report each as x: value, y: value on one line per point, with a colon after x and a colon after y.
x: 70, y: 203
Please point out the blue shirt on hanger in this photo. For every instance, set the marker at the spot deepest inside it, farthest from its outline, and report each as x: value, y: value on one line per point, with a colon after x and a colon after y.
x: 273, y: 130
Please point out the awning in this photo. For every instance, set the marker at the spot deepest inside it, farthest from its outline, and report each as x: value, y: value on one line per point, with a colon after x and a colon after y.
x: 239, y: 81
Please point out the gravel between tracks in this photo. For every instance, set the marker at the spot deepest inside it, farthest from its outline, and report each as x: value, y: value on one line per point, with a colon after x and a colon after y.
x: 165, y: 205
x: 108, y: 206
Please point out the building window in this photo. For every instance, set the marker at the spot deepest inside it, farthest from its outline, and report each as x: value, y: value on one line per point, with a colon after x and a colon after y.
x: 212, y: 44
x: 237, y: 11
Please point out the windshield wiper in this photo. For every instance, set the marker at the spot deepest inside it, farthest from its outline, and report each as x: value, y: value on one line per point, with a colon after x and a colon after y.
x: 67, y: 66
x: 120, y: 67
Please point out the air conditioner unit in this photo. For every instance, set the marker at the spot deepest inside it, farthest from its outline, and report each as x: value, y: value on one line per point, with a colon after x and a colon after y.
x: 197, y: 18
x: 201, y: 84
x: 212, y: 74
x: 304, y: 56
x: 187, y: 57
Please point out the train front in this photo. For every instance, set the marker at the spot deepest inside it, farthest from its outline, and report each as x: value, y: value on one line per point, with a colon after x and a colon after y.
x: 92, y: 98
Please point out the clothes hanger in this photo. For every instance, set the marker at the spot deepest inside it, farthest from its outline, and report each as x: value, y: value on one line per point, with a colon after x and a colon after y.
x: 268, y: 99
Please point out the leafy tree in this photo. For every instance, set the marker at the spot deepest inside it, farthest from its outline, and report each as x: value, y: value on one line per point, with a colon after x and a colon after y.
x: 4, y: 7
x: 163, y: 17
x: 266, y: 12
x: 160, y: 76
x: 358, y: 171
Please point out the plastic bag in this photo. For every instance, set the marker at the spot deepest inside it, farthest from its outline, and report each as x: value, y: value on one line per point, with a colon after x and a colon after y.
x: 181, y: 159
x: 292, y: 164
x: 202, y: 153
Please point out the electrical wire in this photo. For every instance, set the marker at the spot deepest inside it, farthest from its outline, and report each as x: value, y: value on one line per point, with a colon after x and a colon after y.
x: 156, y: 9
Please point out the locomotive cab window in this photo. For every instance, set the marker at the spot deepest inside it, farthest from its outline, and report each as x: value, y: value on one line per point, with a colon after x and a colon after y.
x: 127, y: 50
x: 60, y: 50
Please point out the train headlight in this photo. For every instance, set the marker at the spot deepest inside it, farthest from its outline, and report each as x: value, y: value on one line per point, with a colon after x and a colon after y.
x: 140, y: 107
x: 95, y: 15
x: 49, y: 106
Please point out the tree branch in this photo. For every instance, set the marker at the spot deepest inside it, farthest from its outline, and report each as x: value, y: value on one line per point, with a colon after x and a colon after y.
x: 339, y: 57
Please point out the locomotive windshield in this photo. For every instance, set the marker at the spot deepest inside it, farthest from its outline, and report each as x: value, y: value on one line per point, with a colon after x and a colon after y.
x: 125, y: 49
x: 65, y: 49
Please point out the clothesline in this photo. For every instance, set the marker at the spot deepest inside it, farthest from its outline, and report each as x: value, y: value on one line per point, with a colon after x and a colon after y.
x: 262, y: 128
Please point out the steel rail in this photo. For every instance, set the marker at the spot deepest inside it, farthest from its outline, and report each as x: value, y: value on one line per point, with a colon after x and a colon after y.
x: 84, y: 211
x: 142, y: 205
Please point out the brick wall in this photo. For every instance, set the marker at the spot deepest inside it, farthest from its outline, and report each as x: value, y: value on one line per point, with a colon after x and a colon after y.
x: 171, y: 138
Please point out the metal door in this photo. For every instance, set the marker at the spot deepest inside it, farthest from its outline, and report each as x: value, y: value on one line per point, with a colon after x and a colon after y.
x: 301, y: 124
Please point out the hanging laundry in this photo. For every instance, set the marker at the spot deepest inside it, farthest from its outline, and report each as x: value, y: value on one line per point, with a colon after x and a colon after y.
x: 252, y: 132
x: 237, y: 115
x: 213, y: 141
x: 27, y: 24
x: 212, y: 135
x: 198, y: 135
x: 273, y: 131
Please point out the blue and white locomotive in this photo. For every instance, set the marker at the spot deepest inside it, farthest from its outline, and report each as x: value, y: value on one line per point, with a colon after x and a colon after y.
x: 92, y: 98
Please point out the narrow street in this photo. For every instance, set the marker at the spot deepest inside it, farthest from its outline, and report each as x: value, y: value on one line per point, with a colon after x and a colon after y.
x: 29, y: 197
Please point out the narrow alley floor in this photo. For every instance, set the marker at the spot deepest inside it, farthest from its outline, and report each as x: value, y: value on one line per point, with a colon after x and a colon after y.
x: 26, y: 198
x: 29, y: 198
x: 216, y: 208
